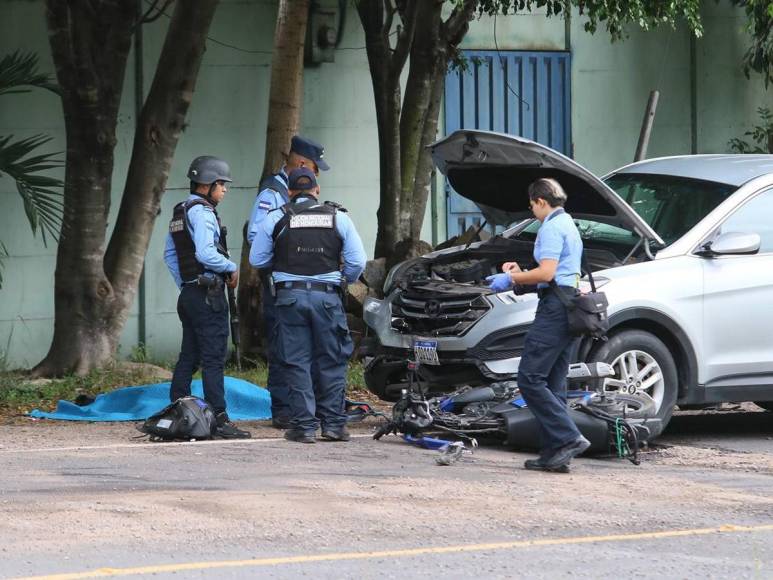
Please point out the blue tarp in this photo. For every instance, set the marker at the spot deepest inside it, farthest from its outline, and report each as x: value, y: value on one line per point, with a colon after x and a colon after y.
x: 245, y: 401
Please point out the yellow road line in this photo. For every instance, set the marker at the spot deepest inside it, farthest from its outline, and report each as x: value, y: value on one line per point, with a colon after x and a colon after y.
x: 257, y: 562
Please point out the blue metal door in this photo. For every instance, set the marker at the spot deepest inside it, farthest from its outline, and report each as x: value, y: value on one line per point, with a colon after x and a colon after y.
x: 516, y: 92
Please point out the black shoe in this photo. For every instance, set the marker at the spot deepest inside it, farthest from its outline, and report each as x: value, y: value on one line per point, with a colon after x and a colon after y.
x: 563, y: 455
x: 281, y: 422
x: 540, y: 465
x: 299, y: 436
x: 336, y: 435
x: 228, y: 430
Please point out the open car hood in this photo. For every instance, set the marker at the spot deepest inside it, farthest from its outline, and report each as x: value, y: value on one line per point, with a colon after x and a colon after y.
x: 494, y: 170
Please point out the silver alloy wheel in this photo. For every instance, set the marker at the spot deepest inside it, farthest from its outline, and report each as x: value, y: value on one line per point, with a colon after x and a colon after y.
x: 635, y: 372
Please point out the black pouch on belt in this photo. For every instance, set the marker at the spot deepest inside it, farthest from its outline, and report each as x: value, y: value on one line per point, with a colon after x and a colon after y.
x: 215, y: 297
x: 587, y: 313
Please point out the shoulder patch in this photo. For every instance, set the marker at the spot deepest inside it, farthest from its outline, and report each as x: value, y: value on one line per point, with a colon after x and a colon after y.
x: 264, y: 205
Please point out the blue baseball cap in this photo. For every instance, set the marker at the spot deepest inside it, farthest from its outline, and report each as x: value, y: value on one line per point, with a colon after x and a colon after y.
x: 310, y: 150
x: 301, y: 179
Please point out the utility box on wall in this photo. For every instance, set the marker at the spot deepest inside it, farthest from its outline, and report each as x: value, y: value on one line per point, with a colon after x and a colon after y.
x: 323, y: 30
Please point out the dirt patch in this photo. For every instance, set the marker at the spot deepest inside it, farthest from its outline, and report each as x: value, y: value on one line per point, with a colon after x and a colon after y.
x: 28, y: 433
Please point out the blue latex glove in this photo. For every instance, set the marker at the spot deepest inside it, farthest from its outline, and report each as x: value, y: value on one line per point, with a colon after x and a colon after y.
x: 500, y: 282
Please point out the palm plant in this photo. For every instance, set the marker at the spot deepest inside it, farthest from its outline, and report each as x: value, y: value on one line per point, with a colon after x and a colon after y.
x: 41, y: 195
x: 761, y: 136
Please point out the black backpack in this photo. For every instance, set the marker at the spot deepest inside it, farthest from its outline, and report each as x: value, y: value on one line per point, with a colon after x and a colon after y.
x: 186, y: 418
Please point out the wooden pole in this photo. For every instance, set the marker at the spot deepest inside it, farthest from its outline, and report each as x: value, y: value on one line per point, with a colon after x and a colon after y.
x: 646, y: 126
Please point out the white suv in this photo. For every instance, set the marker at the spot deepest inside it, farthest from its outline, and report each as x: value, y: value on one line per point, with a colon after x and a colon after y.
x: 682, y: 247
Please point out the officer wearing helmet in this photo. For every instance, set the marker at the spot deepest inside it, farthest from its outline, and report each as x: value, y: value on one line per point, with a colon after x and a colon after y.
x: 312, y: 248
x: 273, y: 195
x: 198, y: 261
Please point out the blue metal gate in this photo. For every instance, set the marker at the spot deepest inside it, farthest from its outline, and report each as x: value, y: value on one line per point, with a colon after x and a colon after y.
x: 515, y: 92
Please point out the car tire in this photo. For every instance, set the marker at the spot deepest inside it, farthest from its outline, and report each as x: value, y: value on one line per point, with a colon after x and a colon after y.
x: 767, y: 405
x: 647, y: 360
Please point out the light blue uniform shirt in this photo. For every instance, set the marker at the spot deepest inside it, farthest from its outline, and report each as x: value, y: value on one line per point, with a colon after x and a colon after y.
x: 266, y: 200
x: 206, y: 234
x: 352, y: 253
x: 558, y: 239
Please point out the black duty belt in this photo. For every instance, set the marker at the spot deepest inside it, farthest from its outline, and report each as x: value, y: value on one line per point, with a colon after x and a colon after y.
x: 568, y: 290
x: 303, y: 285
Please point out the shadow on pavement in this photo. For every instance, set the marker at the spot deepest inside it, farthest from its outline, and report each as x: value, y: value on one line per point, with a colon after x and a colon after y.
x: 722, y: 423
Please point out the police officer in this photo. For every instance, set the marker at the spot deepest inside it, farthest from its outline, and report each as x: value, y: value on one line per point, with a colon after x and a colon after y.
x: 548, y: 344
x: 199, y: 264
x: 273, y: 194
x: 305, y: 242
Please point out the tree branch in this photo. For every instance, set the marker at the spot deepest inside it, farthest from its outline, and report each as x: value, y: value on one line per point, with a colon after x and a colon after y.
x: 405, y: 36
x: 161, y: 123
x: 457, y: 23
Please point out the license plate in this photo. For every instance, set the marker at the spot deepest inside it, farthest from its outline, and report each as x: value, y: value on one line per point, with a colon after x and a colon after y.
x: 426, y: 352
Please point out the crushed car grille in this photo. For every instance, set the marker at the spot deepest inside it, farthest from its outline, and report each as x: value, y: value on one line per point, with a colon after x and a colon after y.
x: 427, y: 312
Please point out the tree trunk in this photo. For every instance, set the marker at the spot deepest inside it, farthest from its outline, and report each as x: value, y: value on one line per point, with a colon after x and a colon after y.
x: 406, y: 128
x: 286, y: 93
x: 420, y: 88
x: 386, y: 65
x: 284, y: 119
x: 422, y: 183
x: 94, y: 288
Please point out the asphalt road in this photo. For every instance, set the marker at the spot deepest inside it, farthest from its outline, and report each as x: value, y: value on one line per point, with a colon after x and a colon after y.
x: 699, y: 506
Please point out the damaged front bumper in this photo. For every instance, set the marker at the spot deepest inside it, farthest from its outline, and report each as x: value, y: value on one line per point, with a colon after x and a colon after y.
x: 488, y: 350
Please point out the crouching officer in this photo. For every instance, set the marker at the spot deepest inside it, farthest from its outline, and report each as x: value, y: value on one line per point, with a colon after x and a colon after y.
x: 305, y: 242
x: 273, y: 194
x: 199, y: 265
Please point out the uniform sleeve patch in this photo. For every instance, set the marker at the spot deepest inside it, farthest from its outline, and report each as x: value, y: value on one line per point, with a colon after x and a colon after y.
x: 311, y: 221
x: 264, y: 205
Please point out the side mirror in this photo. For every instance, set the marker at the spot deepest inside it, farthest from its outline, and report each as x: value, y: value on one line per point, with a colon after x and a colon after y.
x: 731, y: 244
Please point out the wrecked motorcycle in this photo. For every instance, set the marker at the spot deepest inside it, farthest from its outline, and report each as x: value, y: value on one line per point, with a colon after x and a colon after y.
x: 612, y: 421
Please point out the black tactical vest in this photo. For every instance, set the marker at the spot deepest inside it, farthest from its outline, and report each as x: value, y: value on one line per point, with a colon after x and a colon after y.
x: 190, y: 268
x: 306, y: 241
x: 275, y: 183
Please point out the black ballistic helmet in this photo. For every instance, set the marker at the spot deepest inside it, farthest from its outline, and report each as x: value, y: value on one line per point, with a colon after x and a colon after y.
x: 207, y: 169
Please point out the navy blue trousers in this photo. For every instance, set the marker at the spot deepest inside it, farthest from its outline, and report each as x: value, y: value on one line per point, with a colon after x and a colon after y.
x: 204, y: 344
x: 276, y: 385
x: 542, y: 373
x: 313, y: 349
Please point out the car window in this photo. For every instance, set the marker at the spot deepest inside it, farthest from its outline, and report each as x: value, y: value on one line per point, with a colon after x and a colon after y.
x: 591, y: 231
x: 754, y: 217
x: 670, y: 205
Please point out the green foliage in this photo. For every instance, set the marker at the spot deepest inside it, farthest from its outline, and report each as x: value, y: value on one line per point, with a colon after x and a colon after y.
x: 19, y: 394
x: 355, y: 380
x: 20, y: 69
x: 615, y: 15
x: 761, y: 136
x: 759, y: 56
x: 140, y: 353
x: 41, y: 195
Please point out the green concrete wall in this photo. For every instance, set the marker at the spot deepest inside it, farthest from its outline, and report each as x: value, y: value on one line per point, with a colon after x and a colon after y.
x: 610, y: 85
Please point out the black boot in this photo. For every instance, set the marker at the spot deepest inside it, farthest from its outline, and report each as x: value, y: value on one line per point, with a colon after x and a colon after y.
x: 539, y: 464
x: 228, y: 430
